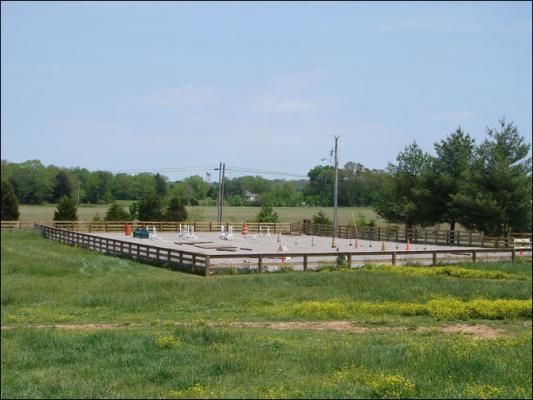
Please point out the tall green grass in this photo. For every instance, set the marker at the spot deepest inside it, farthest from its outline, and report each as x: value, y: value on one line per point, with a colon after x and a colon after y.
x: 205, y: 362
x: 45, y: 281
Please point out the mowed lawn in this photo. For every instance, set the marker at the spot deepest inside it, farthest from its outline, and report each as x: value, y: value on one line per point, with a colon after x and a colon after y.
x: 184, y: 336
x: 201, y: 213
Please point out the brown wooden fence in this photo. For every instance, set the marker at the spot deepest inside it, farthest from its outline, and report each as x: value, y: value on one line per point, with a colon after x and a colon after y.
x: 174, y: 259
x: 161, y: 226
x: 199, y: 263
x: 387, y: 233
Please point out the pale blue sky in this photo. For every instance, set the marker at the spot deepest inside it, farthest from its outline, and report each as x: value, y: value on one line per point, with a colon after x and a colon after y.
x: 120, y: 86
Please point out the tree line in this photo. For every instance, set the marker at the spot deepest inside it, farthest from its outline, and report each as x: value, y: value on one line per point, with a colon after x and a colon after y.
x: 35, y: 183
x: 485, y: 187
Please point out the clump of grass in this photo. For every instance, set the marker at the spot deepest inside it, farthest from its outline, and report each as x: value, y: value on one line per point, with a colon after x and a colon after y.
x: 441, y: 308
x: 457, y: 272
x: 167, y: 342
x: 378, y: 385
x: 196, y: 391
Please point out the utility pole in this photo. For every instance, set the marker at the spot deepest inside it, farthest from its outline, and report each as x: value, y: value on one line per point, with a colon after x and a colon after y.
x: 219, y: 190
x: 335, y: 193
x: 220, y: 201
x: 222, y: 189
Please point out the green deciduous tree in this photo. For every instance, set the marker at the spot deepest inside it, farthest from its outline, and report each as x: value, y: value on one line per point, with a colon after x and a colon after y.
x: 176, y: 210
x: 62, y: 186
x: 9, y: 203
x: 66, y: 210
x: 497, y: 198
x: 160, y: 185
x: 116, y: 213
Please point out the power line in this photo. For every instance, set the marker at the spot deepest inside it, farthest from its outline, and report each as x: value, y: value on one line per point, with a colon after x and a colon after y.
x: 265, y: 172
x: 212, y: 167
x: 169, y: 169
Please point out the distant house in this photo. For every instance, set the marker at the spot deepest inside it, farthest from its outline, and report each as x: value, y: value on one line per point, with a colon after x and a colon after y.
x: 250, y: 196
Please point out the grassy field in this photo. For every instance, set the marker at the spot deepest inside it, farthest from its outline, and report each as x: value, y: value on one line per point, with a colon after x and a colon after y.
x: 200, y: 213
x: 184, y: 336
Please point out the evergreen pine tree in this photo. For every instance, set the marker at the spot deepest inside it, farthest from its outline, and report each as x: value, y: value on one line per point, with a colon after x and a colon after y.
x: 9, y: 203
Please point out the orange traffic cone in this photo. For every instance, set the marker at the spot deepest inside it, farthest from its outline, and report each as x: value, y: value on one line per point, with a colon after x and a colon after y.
x: 408, y: 245
x: 245, y: 229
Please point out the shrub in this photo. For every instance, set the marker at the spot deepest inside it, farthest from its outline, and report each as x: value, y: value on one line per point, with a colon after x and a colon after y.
x: 116, y: 213
x: 321, y: 219
x: 151, y: 208
x: 134, y: 210
x: 267, y: 214
x: 66, y: 210
x: 176, y: 210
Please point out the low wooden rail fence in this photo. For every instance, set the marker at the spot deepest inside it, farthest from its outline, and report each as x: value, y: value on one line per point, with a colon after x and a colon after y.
x: 161, y: 226
x: 387, y: 233
x: 198, y: 263
x: 174, y: 259
x: 415, y: 236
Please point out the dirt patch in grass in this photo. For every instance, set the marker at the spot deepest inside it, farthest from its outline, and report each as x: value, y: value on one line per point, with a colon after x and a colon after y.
x: 475, y: 331
x: 478, y: 331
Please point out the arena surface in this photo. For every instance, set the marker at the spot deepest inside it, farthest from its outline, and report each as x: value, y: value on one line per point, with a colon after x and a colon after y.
x: 239, y: 245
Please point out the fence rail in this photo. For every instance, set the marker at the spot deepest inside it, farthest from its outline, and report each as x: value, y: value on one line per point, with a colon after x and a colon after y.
x: 200, y: 263
x: 174, y: 259
x: 387, y: 233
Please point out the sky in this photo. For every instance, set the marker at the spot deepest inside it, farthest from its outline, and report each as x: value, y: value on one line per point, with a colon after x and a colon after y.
x: 127, y: 86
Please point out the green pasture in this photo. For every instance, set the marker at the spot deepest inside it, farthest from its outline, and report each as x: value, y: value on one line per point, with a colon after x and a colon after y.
x: 208, y: 213
x: 46, y: 282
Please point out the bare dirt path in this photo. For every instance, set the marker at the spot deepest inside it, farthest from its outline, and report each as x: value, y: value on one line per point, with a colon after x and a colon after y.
x: 474, y: 331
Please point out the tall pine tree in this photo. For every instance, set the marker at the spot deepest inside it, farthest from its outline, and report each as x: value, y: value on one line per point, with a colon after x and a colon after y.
x: 9, y: 203
x: 497, y: 199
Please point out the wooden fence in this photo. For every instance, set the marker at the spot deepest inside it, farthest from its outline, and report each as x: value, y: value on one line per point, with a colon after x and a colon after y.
x: 199, y: 263
x: 173, y: 259
x: 161, y: 226
x: 388, y: 233
x: 394, y: 233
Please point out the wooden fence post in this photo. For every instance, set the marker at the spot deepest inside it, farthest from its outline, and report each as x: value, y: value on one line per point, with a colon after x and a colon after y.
x: 193, y: 267
x: 474, y: 256
x: 260, y: 263
x: 513, y: 255
x: 350, y: 260
x: 393, y: 262
x: 207, y: 265
x: 305, y: 262
x: 434, y: 258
